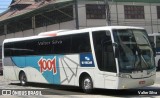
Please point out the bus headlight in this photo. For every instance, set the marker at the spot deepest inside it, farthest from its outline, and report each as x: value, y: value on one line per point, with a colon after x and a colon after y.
x: 124, y: 75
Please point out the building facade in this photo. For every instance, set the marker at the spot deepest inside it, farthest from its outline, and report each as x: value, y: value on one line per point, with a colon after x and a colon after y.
x: 31, y: 17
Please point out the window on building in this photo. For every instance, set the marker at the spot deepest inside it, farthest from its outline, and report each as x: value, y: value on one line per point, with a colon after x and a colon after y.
x: 54, y: 17
x: 158, y: 12
x: 19, y: 25
x: 1, y: 29
x: 13, y: 27
x: 134, y: 12
x: 26, y: 24
x: 95, y: 11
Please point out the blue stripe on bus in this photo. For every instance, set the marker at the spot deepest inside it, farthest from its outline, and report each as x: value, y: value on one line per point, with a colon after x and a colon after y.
x: 33, y: 61
x: 49, y: 73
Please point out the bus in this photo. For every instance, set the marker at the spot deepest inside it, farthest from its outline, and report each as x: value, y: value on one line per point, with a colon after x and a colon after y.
x: 155, y: 39
x: 1, y: 68
x: 109, y: 57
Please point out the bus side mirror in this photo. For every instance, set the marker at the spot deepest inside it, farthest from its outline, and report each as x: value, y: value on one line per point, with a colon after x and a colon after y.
x: 152, y: 44
x: 116, y: 49
x: 154, y: 51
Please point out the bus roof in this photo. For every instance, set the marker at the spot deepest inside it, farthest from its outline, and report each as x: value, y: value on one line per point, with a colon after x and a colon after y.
x: 68, y: 32
x: 154, y: 34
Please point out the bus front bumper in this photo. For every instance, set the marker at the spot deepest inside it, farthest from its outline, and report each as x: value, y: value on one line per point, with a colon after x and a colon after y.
x: 127, y: 83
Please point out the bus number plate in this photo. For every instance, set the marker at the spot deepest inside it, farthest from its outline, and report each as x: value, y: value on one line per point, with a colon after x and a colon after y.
x: 141, y: 82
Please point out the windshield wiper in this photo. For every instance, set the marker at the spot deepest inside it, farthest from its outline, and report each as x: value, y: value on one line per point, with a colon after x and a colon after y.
x: 142, y: 44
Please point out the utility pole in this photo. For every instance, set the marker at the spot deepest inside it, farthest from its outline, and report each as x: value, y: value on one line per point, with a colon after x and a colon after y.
x: 33, y: 24
x: 76, y: 14
x: 108, y: 15
x: 5, y: 30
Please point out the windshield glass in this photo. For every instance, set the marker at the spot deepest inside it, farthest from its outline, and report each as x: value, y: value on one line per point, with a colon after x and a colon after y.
x: 135, y: 52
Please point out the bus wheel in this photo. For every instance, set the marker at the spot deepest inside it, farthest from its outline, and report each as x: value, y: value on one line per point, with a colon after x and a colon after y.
x: 87, y: 84
x: 23, y: 79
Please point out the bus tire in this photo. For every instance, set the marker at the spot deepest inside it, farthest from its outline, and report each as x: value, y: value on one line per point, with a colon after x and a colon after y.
x: 23, y: 79
x: 87, y: 84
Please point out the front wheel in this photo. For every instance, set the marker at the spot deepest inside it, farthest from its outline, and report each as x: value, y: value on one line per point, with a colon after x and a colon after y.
x: 87, y: 84
x: 23, y: 79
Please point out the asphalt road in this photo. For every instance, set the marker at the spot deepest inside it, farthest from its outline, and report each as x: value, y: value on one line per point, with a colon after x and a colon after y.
x: 51, y: 91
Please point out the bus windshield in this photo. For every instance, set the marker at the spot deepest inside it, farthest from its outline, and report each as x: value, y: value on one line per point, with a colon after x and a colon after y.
x: 135, y: 51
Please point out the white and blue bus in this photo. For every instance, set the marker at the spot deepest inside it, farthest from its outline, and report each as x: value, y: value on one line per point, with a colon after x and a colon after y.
x: 110, y: 57
x: 155, y: 39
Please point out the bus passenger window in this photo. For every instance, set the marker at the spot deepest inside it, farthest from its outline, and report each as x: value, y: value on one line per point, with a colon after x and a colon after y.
x: 80, y: 43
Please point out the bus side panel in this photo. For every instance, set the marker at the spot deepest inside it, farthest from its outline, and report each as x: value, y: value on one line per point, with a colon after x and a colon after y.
x: 72, y: 66
x: 52, y: 69
x: 37, y: 74
x: 19, y: 63
x: 68, y: 69
x: 10, y: 71
x: 42, y: 69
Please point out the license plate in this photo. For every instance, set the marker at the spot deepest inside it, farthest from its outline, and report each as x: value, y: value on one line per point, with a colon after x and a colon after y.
x: 141, y: 82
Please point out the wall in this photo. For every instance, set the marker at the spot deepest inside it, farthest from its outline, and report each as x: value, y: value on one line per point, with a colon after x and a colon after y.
x: 150, y: 23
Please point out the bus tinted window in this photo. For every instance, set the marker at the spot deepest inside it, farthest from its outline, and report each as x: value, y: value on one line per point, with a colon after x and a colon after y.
x: 76, y: 43
x: 51, y: 45
x: 15, y: 49
x: 19, y: 48
x: 8, y: 49
x: 61, y: 45
x: 81, y: 43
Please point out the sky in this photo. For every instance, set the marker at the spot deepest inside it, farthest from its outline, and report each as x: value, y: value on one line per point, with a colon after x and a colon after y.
x: 4, y: 5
